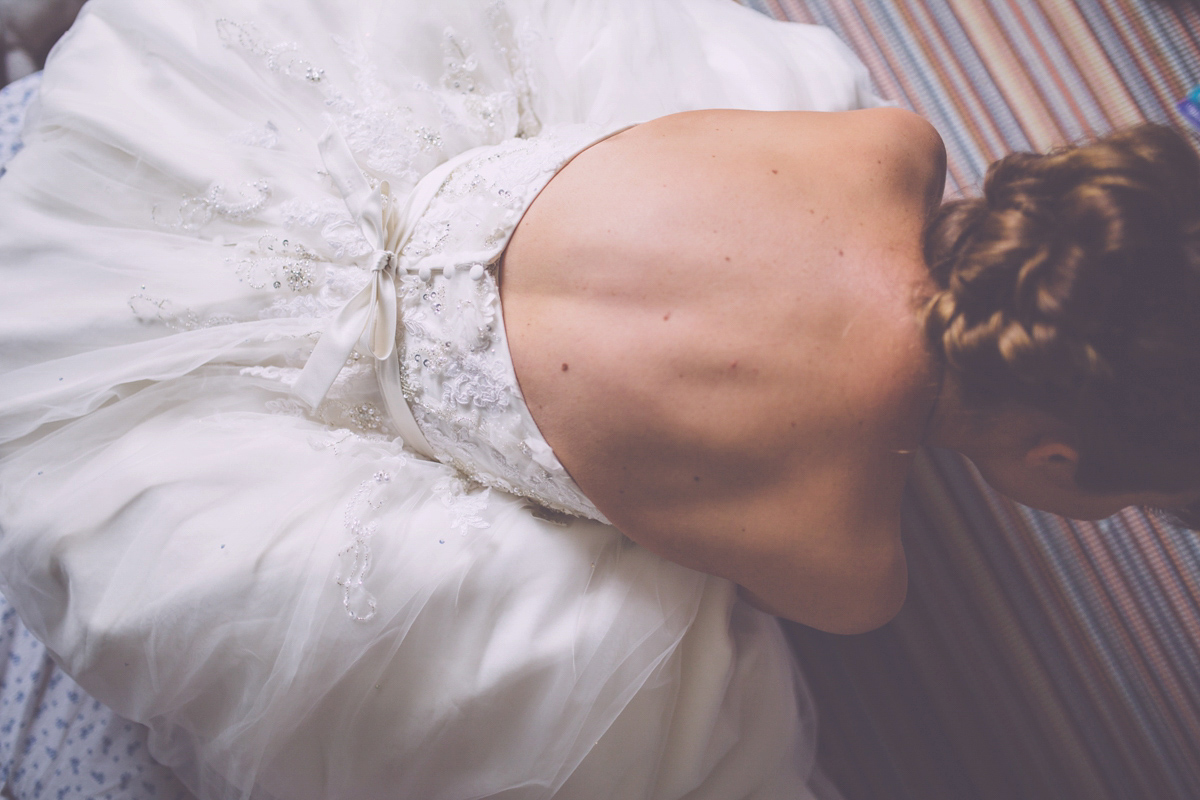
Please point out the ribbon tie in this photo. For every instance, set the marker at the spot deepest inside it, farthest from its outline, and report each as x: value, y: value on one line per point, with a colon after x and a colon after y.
x: 370, y: 316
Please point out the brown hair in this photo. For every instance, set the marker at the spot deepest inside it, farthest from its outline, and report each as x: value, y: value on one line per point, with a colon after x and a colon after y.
x: 1073, y: 285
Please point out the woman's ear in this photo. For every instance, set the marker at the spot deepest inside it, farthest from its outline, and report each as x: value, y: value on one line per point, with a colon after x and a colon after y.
x: 1054, y: 460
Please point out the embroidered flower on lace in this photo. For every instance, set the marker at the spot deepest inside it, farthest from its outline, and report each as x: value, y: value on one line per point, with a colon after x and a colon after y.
x: 346, y: 408
x: 304, y: 305
x: 302, y: 213
x: 286, y: 407
x: 330, y: 217
x: 264, y: 136
x: 338, y: 440
x: 366, y: 417
x: 515, y: 48
x: 428, y: 239
x: 149, y: 310
x: 384, y: 139
x: 379, y: 123
x: 436, y: 298
x: 284, y: 57
x: 459, y: 63
x: 466, y: 501
x: 356, y: 558
x: 285, y: 375
x: 495, y: 110
x: 196, y: 212
x: 476, y: 383
x: 274, y: 262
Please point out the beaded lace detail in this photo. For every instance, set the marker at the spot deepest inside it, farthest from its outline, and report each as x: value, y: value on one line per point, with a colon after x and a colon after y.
x: 456, y: 371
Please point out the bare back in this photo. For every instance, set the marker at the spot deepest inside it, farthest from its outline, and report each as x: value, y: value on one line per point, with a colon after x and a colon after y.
x: 713, y: 320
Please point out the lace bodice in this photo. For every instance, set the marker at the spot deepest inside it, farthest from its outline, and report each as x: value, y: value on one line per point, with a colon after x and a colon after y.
x: 456, y: 372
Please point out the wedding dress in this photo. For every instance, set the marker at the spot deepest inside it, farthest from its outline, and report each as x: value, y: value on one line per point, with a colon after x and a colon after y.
x: 267, y: 481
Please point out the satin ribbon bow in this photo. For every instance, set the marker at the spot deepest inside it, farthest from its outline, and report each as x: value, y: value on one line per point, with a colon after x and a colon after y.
x: 370, y: 316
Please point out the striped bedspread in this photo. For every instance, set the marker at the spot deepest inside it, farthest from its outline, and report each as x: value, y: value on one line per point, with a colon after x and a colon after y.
x: 1036, y: 657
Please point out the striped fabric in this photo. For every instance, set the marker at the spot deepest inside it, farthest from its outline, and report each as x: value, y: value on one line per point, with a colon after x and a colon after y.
x: 1036, y: 657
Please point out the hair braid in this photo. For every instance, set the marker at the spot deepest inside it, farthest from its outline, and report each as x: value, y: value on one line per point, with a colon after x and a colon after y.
x: 1073, y: 285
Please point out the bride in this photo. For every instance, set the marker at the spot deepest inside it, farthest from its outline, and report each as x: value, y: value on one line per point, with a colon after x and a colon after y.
x: 409, y: 399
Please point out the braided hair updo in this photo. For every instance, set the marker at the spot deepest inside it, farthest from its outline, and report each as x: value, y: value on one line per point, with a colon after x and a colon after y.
x: 1073, y: 286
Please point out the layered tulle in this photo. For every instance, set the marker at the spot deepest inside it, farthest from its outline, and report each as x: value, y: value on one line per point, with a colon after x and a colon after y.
x: 297, y: 606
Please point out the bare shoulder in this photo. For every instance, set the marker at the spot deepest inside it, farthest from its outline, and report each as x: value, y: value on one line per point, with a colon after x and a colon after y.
x: 909, y: 147
x: 886, y: 163
x: 897, y: 153
x: 894, y: 136
x: 890, y: 125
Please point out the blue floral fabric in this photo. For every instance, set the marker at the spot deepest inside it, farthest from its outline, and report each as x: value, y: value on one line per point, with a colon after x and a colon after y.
x: 58, y: 743
x: 14, y: 101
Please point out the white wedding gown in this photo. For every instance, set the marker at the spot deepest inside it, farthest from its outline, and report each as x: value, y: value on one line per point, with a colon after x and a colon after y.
x: 214, y: 201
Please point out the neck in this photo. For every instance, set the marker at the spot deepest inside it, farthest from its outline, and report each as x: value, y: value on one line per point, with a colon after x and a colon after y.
x: 952, y: 424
